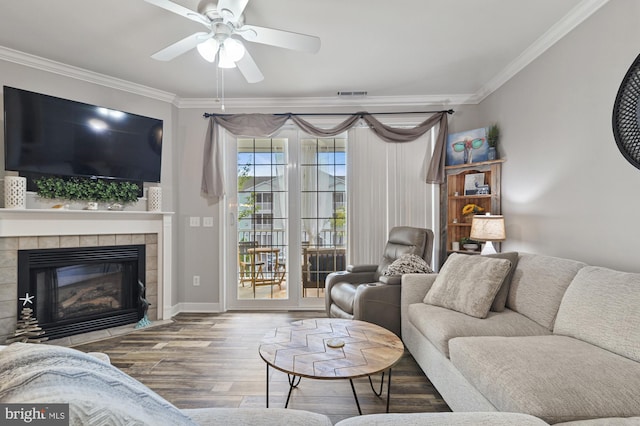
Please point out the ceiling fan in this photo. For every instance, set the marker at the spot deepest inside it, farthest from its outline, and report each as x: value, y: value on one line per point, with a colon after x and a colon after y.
x: 224, y: 21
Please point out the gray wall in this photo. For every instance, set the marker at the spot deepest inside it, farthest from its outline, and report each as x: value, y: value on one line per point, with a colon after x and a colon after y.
x: 567, y: 190
x: 198, y: 248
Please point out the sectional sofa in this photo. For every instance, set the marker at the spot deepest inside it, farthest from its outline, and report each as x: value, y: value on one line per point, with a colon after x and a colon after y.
x: 561, y: 341
x: 100, y: 394
x: 544, y: 341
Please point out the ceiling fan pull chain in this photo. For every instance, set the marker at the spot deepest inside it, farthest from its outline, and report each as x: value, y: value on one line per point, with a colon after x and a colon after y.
x: 217, y: 82
x: 222, y: 77
x: 220, y: 84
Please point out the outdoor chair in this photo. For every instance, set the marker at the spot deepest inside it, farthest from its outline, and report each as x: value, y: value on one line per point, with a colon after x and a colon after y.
x: 318, y: 263
x: 250, y: 268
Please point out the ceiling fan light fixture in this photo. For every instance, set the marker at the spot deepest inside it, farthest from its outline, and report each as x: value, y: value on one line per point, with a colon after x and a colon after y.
x: 208, y: 49
x: 224, y: 61
x: 234, y: 49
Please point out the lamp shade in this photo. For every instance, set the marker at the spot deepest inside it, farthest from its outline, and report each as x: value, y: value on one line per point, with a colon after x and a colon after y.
x: 488, y: 228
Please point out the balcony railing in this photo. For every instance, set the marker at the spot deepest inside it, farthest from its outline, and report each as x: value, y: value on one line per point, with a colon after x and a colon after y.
x: 278, y: 238
x: 329, y: 243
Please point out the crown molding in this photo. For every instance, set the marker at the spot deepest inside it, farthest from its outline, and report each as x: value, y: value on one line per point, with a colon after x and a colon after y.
x: 37, y: 62
x: 575, y: 17
x: 361, y: 102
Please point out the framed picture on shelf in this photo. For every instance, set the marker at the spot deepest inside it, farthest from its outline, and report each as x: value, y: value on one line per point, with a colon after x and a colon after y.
x: 474, y: 184
x: 467, y: 147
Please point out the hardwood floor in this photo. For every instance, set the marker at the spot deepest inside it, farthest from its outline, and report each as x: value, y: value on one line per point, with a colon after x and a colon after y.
x: 211, y: 360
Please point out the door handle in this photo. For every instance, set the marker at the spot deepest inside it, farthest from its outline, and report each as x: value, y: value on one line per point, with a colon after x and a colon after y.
x: 232, y: 219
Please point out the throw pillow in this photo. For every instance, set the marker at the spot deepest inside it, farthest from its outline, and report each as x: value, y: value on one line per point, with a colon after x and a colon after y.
x: 468, y: 283
x: 500, y: 301
x: 408, y: 264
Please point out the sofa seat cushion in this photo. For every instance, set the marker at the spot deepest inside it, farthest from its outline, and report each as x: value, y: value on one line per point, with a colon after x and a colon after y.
x: 440, y: 325
x: 602, y: 307
x: 255, y: 416
x: 444, y: 419
x: 607, y: 421
x: 556, y: 378
x: 468, y: 284
x: 97, y: 392
x: 343, y: 296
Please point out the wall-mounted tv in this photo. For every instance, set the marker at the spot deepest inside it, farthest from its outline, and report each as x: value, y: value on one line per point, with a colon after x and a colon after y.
x: 45, y: 135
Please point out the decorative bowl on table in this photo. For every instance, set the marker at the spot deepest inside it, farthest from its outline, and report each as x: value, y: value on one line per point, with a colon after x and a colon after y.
x: 470, y: 247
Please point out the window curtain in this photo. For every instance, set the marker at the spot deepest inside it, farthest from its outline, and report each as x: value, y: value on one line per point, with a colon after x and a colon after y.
x: 265, y: 125
x: 386, y: 189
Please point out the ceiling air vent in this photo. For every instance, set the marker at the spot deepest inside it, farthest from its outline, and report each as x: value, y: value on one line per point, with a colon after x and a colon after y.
x: 352, y: 94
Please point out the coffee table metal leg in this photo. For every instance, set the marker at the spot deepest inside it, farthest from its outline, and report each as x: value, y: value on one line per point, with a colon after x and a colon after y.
x: 267, y: 385
x: 353, y: 388
x: 388, y: 389
x: 292, y: 384
x: 379, y: 393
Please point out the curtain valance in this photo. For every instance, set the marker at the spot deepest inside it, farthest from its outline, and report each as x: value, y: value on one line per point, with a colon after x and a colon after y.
x: 266, y: 125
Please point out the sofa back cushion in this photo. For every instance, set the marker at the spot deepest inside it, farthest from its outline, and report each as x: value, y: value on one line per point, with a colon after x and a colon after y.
x: 602, y: 307
x: 468, y: 284
x: 500, y: 301
x: 538, y: 284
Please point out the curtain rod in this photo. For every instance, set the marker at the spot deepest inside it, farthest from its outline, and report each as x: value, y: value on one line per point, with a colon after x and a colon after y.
x: 319, y: 114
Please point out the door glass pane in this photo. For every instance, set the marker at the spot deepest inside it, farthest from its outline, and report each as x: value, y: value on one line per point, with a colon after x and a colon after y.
x: 323, y: 211
x: 262, y: 219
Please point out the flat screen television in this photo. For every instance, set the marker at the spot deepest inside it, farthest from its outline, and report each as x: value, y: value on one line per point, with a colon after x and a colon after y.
x: 45, y: 135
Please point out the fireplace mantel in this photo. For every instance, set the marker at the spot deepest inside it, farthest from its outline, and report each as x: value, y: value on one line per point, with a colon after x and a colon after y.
x: 54, y: 222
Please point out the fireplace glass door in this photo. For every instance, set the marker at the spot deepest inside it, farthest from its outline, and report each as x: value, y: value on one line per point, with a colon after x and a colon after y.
x: 83, y: 291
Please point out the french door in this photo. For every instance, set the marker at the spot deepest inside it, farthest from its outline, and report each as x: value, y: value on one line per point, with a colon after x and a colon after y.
x: 287, y: 219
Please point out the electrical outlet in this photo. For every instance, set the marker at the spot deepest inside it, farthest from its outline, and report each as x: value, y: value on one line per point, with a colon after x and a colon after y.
x: 196, y: 280
x: 207, y: 222
x: 194, y: 221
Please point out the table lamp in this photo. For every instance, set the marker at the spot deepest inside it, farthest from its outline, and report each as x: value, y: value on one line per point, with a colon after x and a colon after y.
x: 488, y: 228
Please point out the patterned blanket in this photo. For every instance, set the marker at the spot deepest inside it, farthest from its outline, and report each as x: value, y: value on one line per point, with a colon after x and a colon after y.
x: 97, y: 392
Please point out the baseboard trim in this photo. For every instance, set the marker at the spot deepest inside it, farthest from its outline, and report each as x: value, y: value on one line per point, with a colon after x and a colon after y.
x: 196, y: 308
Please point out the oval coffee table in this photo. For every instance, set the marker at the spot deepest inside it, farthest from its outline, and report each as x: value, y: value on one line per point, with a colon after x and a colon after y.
x: 331, y: 348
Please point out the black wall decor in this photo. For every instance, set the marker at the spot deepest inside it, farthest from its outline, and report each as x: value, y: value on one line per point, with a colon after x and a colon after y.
x: 626, y: 115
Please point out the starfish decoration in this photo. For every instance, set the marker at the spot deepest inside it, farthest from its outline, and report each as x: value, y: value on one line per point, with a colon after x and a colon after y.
x: 26, y: 299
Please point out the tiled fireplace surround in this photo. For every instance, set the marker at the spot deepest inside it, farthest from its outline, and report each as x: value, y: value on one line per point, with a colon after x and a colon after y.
x: 39, y: 229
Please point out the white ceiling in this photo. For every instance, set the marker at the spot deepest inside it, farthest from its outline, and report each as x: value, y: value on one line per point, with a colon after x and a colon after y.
x: 448, y: 50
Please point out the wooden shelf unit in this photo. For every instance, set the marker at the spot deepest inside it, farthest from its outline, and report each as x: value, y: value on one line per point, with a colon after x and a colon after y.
x: 451, y: 205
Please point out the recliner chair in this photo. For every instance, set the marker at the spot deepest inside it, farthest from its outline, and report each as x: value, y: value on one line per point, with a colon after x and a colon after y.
x: 362, y: 292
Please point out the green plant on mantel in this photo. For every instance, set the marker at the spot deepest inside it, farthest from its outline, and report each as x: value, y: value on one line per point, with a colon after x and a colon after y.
x: 84, y: 189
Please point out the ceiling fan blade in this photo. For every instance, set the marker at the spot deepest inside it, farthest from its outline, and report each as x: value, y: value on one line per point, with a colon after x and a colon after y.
x: 249, y: 68
x: 180, y: 47
x: 279, y: 38
x: 180, y: 10
x: 231, y: 9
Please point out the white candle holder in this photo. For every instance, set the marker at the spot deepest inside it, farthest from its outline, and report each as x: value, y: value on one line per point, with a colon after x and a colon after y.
x: 154, y: 199
x: 15, y: 192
